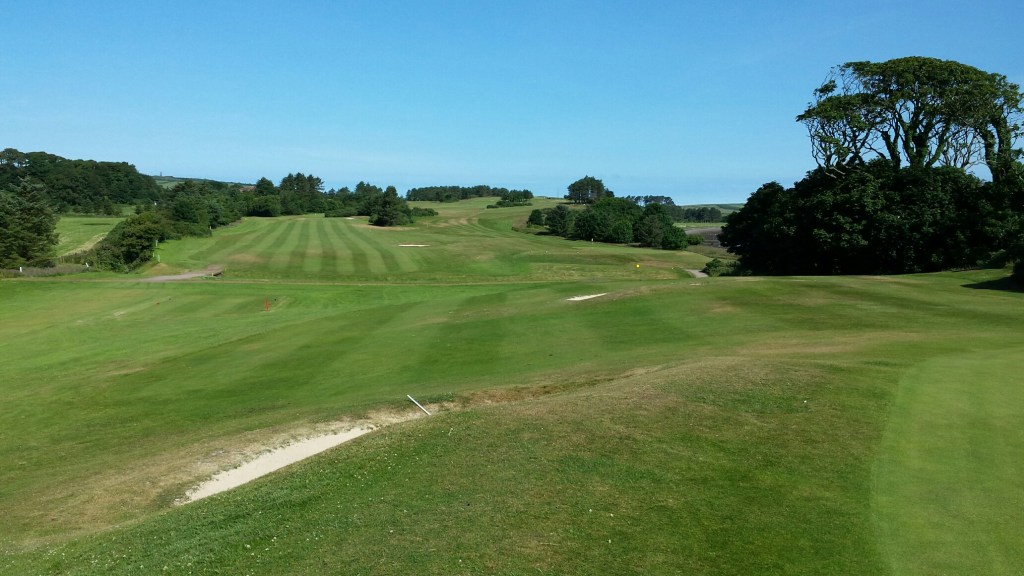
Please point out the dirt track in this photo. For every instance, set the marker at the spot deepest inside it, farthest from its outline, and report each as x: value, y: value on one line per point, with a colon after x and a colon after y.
x: 211, y: 270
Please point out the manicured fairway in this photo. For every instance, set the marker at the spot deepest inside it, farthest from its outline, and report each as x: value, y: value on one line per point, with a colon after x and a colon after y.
x: 949, y: 493
x: 672, y: 426
x: 467, y: 243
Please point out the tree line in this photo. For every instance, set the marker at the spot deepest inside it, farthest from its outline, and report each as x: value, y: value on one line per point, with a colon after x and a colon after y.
x: 892, y: 193
x: 456, y: 193
x: 78, y: 186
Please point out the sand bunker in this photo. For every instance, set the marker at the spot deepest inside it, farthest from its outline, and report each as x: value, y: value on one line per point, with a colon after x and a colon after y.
x: 269, y: 462
x: 587, y: 297
x: 414, y: 245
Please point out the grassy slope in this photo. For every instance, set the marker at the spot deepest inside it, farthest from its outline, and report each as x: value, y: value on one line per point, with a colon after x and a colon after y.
x: 78, y: 233
x: 715, y: 426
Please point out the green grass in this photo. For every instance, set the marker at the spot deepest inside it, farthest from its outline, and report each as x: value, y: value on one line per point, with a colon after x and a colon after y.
x: 79, y: 233
x: 466, y: 243
x: 673, y: 426
x: 949, y: 496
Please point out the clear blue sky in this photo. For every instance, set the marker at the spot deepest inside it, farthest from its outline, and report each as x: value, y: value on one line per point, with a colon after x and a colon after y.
x: 695, y: 100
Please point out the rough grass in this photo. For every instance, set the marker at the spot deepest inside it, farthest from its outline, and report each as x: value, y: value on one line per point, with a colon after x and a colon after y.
x: 714, y: 426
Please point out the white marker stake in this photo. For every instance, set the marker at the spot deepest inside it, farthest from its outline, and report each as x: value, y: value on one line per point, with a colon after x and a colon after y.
x: 417, y: 403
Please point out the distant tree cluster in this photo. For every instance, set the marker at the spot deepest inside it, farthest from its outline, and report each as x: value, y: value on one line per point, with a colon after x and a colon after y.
x: 587, y: 190
x: 680, y: 213
x: 695, y: 214
x: 614, y: 220
x: 383, y: 207
x: 891, y: 193
x: 651, y: 199
x: 297, y: 194
x: 512, y: 198
x: 79, y: 186
x: 456, y: 193
x: 301, y: 194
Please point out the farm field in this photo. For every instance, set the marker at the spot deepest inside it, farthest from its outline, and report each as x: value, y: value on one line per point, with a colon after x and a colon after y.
x: 674, y: 425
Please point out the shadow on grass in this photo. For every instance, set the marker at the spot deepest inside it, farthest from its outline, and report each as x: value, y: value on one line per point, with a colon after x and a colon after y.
x: 1007, y: 284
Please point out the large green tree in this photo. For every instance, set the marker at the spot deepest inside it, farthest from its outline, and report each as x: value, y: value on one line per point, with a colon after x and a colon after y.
x: 587, y: 190
x: 915, y: 111
x: 870, y: 220
x: 390, y: 210
x: 892, y: 194
x: 27, y: 226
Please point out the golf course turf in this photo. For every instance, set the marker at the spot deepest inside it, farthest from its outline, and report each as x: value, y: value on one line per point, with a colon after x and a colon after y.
x: 674, y: 425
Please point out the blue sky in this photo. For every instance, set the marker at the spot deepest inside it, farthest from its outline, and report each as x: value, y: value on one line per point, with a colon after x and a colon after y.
x: 695, y: 100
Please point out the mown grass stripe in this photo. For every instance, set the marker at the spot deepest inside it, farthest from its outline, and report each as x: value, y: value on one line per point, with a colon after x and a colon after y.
x: 360, y: 262
x: 299, y: 261
x: 281, y: 249
x: 328, y: 249
x: 359, y: 243
x: 241, y: 239
x: 345, y: 262
x: 375, y: 240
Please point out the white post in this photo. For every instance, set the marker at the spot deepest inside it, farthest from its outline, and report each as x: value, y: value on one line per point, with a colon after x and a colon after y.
x: 417, y: 403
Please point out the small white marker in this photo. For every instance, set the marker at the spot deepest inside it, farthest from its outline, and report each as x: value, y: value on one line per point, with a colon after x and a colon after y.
x: 417, y: 403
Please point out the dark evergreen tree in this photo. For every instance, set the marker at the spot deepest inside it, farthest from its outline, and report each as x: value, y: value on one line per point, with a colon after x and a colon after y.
x: 390, y: 210
x: 27, y: 226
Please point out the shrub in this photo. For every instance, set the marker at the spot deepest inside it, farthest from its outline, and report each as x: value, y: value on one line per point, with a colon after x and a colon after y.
x: 716, y: 267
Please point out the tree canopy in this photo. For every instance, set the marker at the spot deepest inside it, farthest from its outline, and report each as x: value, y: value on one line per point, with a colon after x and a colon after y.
x: 82, y: 186
x: 870, y: 221
x: 892, y: 194
x: 456, y: 193
x: 915, y: 111
x: 587, y: 190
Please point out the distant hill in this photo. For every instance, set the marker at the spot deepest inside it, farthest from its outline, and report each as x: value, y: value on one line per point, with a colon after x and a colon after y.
x: 725, y: 208
x: 172, y: 181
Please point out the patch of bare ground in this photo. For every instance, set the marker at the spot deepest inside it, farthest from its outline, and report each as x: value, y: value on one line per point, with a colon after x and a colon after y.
x: 211, y: 270
x: 231, y: 469
x: 586, y: 297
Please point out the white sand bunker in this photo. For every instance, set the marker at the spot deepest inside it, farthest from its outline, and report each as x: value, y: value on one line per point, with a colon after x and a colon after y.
x: 587, y: 297
x: 414, y: 245
x: 269, y: 462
